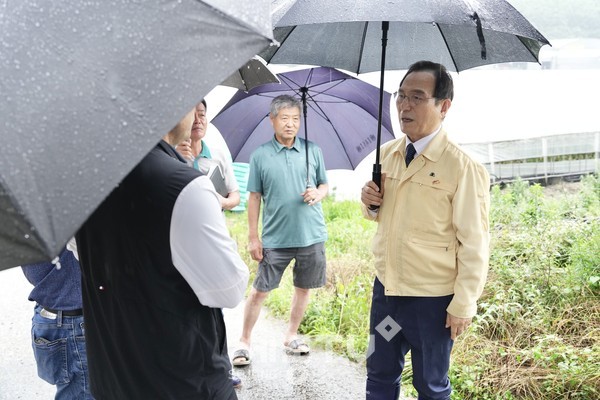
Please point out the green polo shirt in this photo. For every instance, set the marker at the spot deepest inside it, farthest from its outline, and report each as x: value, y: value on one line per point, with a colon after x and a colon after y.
x: 278, y: 173
x: 204, y: 154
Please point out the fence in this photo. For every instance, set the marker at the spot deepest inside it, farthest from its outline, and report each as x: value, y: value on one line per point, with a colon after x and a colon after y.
x: 541, y: 158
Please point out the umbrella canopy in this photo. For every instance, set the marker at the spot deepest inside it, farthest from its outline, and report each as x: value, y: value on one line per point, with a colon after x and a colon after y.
x: 341, y: 115
x: 460, y: 34
x: 252, y: 74
x: 372, y: 35
x: 88, y: 88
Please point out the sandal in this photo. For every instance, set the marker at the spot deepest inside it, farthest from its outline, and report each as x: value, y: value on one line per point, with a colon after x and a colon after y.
x: 297, y: 346
x: 241, y: 357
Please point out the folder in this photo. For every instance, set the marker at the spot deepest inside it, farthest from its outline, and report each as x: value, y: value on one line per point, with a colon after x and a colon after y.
x: 216, y: 177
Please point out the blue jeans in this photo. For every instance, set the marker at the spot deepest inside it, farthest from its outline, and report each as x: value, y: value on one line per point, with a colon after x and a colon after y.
x: 59, y: 350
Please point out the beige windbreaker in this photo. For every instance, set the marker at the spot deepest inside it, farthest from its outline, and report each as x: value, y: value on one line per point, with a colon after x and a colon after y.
x: 433, y: 232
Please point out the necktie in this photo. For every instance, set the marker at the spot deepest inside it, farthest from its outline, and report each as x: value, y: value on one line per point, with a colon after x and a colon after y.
x: 410, y: 153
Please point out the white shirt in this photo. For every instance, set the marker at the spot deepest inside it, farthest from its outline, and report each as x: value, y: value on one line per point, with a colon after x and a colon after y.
x: 202, y: 250
x: 422, y: 143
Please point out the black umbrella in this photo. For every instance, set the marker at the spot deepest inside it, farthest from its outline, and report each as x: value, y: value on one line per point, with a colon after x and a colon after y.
x: 373, y: 35
x: 88, y: 88
x: 250, y: 75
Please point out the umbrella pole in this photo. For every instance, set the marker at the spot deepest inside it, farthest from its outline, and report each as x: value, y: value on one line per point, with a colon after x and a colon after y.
x: 304, y: 89
x: 377, y: 166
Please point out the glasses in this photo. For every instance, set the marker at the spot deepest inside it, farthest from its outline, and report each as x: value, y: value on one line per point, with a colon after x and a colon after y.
x: 413, y: 99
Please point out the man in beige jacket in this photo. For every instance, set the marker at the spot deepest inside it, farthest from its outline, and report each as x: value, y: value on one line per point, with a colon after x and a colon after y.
x: 432, y: 243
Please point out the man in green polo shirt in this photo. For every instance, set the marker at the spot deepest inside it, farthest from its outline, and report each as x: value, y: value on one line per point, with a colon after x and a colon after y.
x: 198, y: 155
x: 293, y: 227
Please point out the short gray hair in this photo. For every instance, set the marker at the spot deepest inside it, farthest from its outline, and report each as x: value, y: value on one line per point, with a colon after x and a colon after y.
x: 284, y: 101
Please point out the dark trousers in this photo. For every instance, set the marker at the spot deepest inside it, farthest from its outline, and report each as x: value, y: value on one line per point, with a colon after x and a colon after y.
x: 400, y: 324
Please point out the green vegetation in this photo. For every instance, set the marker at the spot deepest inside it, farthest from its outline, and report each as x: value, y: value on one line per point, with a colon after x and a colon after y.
x: 537, y: 333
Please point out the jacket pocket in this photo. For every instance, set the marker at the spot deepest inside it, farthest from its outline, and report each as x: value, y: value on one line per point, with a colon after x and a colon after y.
x: 429, y: 260
x: 432, y: 205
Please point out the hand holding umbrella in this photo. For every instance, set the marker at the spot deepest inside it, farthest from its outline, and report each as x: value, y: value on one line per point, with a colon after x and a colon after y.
x: 312, y: 195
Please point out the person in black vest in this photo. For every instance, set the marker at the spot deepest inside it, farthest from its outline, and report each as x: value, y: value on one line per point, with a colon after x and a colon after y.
x: 156, y: 271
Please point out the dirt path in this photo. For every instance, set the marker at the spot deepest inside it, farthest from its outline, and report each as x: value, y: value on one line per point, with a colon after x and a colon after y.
x: 273, y: 374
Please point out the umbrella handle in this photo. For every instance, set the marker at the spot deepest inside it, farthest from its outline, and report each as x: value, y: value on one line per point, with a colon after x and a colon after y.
x: 377, y: 175
x: 385, y: 25
x: 377, y: 180
x: 304, y: 89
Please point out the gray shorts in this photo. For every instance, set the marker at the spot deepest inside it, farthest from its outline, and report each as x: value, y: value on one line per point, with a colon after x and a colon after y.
x: 309, y: 268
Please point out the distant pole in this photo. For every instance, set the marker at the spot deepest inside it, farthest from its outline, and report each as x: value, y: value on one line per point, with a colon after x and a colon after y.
x: 492, y: 164
x: 545, y: 155
x: 597, y: 151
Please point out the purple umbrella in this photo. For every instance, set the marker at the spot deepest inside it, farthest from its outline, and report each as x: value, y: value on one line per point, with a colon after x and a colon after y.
x: 340, y: 114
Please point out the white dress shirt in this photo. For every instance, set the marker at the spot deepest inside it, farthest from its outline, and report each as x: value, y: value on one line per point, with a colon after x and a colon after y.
x: 202, y: 250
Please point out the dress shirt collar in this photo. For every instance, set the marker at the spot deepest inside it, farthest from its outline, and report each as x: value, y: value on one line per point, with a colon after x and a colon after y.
x: 422, y: 143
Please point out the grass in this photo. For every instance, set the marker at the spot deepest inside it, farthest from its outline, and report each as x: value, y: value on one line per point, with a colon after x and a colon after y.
x: 537, y: 332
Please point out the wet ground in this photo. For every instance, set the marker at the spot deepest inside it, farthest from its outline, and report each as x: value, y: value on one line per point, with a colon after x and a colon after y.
x: 273, y: 374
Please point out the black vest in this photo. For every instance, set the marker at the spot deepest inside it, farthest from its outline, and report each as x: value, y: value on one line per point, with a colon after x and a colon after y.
x: 148, y: 336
